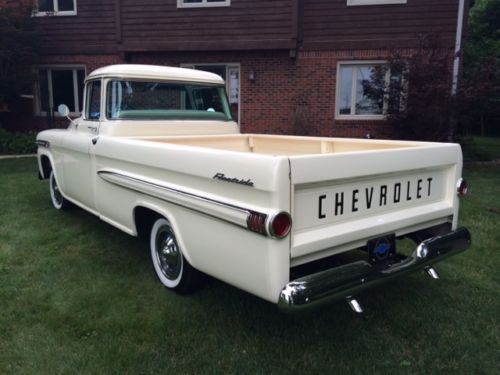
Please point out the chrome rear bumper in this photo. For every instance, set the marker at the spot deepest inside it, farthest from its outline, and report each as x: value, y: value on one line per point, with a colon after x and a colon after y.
x: 347, y: 280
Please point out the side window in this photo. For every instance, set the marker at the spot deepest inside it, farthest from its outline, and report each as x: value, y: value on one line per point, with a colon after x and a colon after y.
x: 59, y: 85
x: 93, y: 110
x: 369, y: 89
x: 46, y: 8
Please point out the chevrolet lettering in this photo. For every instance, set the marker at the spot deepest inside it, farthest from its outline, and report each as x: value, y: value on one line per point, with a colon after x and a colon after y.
x: 157, y: 153
x: 377, y: 196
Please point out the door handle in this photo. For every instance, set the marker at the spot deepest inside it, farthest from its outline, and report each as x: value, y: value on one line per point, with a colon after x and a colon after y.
x: 92, y: 128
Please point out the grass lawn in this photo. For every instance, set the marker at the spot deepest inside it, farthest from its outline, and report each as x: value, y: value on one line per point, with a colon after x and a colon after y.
x: 481, y: 148
x: 489, y: 145
x: 78, y: 296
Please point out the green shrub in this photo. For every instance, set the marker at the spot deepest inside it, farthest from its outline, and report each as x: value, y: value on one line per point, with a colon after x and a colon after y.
x: 17, y: 143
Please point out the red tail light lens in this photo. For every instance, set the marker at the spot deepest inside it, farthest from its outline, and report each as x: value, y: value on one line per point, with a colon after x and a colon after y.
x: 277, y: 226
x: 462, y: 187
x: 280, y: 225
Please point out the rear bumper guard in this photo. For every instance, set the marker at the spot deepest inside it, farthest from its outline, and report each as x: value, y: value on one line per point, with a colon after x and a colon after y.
x: 347, y: 280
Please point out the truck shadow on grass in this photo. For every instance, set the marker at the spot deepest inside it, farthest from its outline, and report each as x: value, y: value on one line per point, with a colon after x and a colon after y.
x: 97, y: 288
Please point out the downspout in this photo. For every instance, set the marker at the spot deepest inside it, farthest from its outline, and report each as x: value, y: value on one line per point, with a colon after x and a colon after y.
x: 458, y: 46
x: 456, y: 65
x: 295, y: 28
x: 118, y: 21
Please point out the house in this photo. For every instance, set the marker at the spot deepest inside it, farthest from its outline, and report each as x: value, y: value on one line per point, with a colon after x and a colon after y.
x: 291, y: 66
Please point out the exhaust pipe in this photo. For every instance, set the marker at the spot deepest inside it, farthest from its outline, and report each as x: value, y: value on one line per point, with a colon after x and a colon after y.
x: 354, y: 305
x: 431, y: 271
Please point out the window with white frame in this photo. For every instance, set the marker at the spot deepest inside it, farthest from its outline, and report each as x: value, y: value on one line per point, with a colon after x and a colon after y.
x: 55, y: 8
x: 374, y: 2
x: 202, y: 3
x: 366, y: 90
x: 59, y: 85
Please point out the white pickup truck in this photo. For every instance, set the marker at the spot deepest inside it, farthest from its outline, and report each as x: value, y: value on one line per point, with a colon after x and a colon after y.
x: 156, y: 152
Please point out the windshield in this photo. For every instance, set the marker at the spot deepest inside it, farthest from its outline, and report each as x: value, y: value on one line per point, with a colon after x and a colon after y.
x: 160, y: 100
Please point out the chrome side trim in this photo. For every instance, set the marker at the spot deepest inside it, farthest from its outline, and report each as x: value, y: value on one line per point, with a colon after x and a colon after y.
x: 207, y: 206
x: 344, y: 281
x: 42, y: 143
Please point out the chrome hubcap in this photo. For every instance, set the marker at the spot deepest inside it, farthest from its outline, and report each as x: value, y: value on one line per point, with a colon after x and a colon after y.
x: 168, y: 254
x: 55, y: 189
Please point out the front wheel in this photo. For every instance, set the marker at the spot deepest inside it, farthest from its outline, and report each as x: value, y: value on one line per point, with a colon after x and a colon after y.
x: 171, y: 267
x: 58, y: 201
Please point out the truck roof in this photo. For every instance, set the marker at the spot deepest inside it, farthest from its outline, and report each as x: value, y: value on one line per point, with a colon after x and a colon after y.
x: 155, y: 72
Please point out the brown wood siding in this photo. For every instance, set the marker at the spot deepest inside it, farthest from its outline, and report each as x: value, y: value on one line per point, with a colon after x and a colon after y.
x: 111, y: 26
x: 245, y: 24
x: 331, y: 24
x: 92, y: 30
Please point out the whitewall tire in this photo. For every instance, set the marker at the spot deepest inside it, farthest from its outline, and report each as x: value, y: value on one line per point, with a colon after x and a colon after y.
x: 58, y: 201
x: 172, y: 269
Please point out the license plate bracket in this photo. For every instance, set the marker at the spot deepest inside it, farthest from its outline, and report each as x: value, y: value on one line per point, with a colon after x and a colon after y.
x: 382, y: 248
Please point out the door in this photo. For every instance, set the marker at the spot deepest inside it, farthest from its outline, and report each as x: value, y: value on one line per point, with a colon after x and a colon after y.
x: 78, y: 163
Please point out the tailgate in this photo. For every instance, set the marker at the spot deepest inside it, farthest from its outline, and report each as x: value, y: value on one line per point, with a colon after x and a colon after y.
x: 340, y: 201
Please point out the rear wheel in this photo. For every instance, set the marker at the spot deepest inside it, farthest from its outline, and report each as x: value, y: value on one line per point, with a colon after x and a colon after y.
x: 58, y: 201
x: 173, y: 270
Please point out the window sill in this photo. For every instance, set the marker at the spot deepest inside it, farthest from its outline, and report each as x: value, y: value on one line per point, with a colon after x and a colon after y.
x: 206, y: 5
x: 361, y: 117
x: 55, y: 14
x: 374, y: 2
x: 73, y: 115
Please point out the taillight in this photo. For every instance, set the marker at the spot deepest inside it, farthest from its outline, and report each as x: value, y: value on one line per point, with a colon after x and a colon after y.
x: 280, y: 225
x: 462, y: 187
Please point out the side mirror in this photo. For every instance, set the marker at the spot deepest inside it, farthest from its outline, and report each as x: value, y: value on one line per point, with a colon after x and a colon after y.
x: 63, y: 110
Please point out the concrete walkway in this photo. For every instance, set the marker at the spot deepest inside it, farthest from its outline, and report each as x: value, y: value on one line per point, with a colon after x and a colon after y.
x: 17, y: 156
x: 489, y: 163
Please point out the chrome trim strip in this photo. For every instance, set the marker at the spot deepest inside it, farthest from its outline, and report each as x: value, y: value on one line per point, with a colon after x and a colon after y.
x: 108, y: 176
x: 344, y: 281
x: 173, y: 190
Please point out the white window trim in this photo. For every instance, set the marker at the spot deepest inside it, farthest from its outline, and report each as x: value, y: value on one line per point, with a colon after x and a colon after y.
x: 38, y: 103
x: 374, y: 2
x: 203, y: 4
x: 339, y: 116
x: 56, y: 11
x: 228, y: 66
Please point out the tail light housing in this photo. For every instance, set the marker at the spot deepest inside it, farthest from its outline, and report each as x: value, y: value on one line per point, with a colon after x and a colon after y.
x: 462, y: 187
x: 256, y: 222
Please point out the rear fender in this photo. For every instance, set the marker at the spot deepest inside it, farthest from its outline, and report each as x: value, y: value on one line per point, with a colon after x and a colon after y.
x: 164, y: 212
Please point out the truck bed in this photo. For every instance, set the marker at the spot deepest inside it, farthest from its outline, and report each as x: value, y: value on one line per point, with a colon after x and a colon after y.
x: 343, y: 192
x: 284, y: 145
